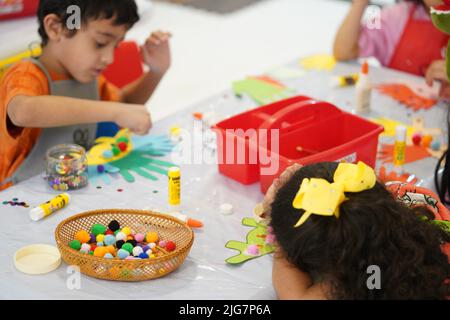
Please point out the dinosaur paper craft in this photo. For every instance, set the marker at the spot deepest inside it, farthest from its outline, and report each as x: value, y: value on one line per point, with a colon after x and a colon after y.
x: 440, y: 15
x: 259, y: 242
x: 263, y: 89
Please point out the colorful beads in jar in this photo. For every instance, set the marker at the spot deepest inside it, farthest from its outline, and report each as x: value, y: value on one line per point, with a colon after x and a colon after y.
x: 67, y: 167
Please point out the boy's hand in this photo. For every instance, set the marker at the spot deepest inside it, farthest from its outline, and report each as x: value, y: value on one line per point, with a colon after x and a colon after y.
x: 436, y: 71
x: 136, y: 118
x: 156, y: 52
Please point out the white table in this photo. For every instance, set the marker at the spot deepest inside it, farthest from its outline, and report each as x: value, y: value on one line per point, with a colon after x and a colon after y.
x: 204, y: 274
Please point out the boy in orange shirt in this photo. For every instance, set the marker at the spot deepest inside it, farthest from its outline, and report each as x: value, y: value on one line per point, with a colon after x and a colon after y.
x: 61, y: 96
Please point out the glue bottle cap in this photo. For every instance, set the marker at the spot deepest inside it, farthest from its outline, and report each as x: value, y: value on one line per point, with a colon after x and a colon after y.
x: 400, y: 132
x: 365, y: 68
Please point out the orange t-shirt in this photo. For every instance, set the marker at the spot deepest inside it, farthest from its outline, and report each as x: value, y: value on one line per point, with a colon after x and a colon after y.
x: 25, y: 78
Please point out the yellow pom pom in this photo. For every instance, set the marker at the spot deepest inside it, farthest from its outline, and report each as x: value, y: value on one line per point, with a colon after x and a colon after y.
x: 152, y: 256
x: 100, y: 252
x: 82, y: 236
x: 126, y: 230
x: 100, y: 238
x: 151, y: 237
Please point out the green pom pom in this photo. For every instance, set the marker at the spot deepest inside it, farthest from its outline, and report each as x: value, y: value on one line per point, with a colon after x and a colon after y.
x: 98, y: 229
x: 116, y: 232
x: 75, y: 244
x: 115, y: 150
x: 91, y: 253
x: 128, y: 247
x: 123, y: 139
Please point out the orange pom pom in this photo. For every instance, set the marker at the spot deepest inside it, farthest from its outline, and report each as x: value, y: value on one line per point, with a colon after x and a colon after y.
x: 83, y: 236
x: 151, y: 237
x: 100, y: 252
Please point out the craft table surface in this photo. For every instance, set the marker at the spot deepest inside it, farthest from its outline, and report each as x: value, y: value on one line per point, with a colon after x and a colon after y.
x: 204, y: 274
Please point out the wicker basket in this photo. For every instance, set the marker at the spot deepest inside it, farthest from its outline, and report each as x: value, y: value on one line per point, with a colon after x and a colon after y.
x: 116, y: 269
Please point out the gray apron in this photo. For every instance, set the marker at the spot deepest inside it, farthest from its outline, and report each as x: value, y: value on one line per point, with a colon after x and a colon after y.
x: 83, y: 135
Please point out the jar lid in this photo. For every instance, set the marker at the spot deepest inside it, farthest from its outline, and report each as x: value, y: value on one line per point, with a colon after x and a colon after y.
x: 37, y: 259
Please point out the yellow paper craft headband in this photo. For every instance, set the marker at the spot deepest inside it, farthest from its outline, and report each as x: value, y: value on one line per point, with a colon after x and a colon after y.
x: 318, y: 196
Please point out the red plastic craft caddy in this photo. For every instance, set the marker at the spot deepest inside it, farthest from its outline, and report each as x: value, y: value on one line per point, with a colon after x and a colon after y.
x: 258, y: 145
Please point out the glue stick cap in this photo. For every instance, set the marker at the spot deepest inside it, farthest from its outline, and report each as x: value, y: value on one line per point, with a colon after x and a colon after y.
x: 400, y: 133
x: 38, y: 213
x: 174, y: 172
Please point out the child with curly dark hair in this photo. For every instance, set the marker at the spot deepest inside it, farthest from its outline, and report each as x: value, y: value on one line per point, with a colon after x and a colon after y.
x: 334, y: 223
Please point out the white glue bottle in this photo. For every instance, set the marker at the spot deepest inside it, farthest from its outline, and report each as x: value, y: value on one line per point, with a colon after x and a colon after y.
x: 363, y: 90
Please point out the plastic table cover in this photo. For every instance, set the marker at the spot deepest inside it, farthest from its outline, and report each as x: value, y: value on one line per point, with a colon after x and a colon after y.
x: 204, y: 274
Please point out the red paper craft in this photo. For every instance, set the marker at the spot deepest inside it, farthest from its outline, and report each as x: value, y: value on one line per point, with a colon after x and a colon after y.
x: 413, y: 153
x: 384, y: 176
x: 405, y: 95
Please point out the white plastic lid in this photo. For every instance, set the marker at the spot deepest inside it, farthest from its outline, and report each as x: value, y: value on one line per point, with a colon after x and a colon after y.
x: 37, y: 259
x: 400, y: 133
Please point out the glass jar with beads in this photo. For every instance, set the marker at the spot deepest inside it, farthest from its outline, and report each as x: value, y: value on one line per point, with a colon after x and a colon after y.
x: 67, y: 167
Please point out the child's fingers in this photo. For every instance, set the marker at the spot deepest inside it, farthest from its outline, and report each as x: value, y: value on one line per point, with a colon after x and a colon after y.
x: 161, y: 36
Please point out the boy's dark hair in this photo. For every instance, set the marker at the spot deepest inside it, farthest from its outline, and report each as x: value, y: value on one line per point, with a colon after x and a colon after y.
x: 124, y: 12
x: 372, y: 229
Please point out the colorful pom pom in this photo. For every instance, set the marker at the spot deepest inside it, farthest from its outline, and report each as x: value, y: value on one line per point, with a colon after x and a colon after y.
x: 119, y: 244
x: 115, y: 150
x: 426, y: 141
x: 114, y: 225
x: 98, y: 229
x: 100, y: 252
x: 151, y: 237
x: 122, y: 146
x: 126, y: 230
x: 417, y: 139
x: 100, y: 168
x: 139, y: 237
x: 143, y: 255
x: 122, y: 254
x: 253, y: 250
x: 83, y: 236
x: 75, y: 244
x: 108, y: 256
x: 128, y: 247
x: 435, y: 145
x: 100, y: 238
x: 121, y: 236
x: 170, y: 246
x: 109, y: 240
x: 162, y: 243
x: 137, y: 251
x: 107, y: 154
x: 132, y: 242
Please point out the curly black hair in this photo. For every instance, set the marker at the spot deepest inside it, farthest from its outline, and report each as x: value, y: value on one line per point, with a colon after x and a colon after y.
x: 124, y: 12
x: 373, y: 229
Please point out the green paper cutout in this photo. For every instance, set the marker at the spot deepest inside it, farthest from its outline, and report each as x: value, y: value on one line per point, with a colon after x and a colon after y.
x: 254, y: 237
x: 262, y: 92
x: 441, y: 21
x: 137, y: 161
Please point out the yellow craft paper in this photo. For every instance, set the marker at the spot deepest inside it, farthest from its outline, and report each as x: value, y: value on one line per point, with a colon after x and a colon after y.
x: 319, y: 62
